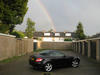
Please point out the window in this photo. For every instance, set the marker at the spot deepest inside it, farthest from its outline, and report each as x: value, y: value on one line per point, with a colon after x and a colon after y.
x: 45, y: 52
x: 68, y: 34
x: 57, y: 34
x: 46, y: 34
x: 59, y: 54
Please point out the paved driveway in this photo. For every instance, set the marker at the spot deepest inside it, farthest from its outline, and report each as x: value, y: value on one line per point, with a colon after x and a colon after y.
x: 21, y: 67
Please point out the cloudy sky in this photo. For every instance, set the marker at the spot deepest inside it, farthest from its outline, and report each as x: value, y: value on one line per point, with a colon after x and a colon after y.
x: 64, y: 15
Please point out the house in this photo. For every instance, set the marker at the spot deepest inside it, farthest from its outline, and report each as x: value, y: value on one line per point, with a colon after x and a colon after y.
x: 54, y: 36
x: 96, y: 36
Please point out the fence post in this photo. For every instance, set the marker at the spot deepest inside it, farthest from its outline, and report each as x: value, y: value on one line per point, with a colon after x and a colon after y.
x: 89, y: 48
x: 98, y: 50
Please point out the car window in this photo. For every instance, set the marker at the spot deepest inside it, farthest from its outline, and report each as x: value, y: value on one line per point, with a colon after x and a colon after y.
x: 44, y: 52
x: 56, y: 54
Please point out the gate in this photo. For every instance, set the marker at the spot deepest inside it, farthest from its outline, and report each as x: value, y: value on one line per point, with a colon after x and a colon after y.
x: 86, y: 48
x: 35, y: 46
x: 93, y: 49
x: 80, y: 47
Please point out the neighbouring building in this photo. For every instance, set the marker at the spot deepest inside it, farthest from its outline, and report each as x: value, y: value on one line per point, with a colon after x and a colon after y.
x: 96, y: 36
x: 54, y: 36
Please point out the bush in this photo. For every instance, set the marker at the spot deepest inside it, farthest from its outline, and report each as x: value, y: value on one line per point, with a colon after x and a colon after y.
x: 67, y: 39
x: 18, y: 34
x: 4, y: 28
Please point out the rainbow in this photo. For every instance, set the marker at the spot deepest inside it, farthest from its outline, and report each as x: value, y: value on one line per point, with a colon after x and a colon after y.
x: 47, y: 14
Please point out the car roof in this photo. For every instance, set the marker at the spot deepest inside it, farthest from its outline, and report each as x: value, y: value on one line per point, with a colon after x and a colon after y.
x: 51, y: 51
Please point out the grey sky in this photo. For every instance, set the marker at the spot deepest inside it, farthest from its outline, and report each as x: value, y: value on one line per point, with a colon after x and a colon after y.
x: 65, y: 15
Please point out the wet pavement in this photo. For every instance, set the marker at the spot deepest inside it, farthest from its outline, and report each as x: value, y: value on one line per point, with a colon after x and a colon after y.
x: 21, y: 67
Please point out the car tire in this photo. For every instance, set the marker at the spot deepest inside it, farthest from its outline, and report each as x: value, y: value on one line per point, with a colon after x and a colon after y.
x: 35, y: 68
x: 48, y: 67
x: 75, y: 63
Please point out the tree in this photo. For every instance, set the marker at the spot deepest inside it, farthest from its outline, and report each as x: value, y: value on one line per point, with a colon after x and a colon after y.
x: 18, y: 34
x: 12, y: 12
x: 30, y: 28
x: 4, y: 28
x: 51, y: 30
x: 80, y: 32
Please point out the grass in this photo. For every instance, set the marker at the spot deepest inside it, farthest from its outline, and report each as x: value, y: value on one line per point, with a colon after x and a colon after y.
x: 10, y: 59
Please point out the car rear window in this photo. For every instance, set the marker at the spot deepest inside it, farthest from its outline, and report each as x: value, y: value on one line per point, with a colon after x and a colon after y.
x: 45, y: 52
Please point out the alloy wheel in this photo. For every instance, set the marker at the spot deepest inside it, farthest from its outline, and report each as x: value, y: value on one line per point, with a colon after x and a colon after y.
x: 48, y: 67
x: 75, y: 63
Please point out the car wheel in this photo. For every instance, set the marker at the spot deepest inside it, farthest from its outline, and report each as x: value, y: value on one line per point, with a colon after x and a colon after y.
x: 75, y: 63
x: 35, y: 68
x: 48, y: 67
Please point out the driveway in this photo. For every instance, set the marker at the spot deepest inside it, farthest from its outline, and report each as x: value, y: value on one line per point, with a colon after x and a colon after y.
x: 21, y: 67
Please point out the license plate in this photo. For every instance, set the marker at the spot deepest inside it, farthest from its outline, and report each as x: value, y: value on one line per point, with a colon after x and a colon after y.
x: 32, y: 58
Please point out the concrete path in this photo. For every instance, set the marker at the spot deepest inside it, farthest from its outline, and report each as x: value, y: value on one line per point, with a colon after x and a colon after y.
x: 21, y: 67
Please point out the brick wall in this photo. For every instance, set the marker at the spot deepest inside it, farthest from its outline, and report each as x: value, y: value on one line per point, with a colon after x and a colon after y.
x: 55, y: 45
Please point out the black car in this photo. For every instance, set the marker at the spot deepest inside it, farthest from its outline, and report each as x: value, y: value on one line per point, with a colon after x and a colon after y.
x: 49, y: 59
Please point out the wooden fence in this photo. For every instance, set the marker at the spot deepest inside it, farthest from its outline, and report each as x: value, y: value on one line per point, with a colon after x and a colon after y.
x: 10, y: 46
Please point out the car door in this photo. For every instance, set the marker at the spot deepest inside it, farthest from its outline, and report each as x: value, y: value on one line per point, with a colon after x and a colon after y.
x: 58, y: 58
x: 68, y: 60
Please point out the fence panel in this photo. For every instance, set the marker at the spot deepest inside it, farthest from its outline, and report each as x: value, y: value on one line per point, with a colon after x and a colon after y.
x: 10, y: 46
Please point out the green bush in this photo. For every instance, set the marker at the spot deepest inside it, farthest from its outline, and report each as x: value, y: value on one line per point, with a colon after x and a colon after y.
x: 67, y: 39
x: 4, y: 28
x: 18, y: 34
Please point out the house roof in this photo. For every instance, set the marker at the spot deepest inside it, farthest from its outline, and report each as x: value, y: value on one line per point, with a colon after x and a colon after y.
x: 52, y: 34
x: 96, y: 35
